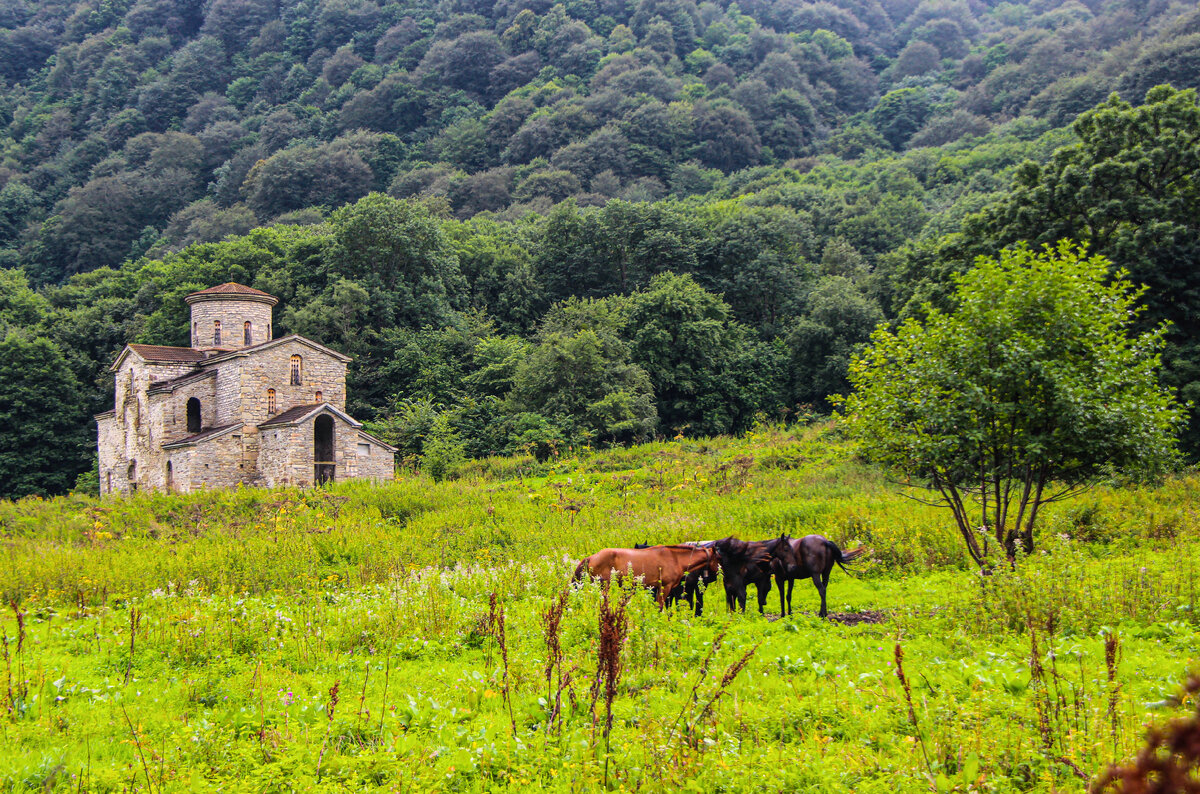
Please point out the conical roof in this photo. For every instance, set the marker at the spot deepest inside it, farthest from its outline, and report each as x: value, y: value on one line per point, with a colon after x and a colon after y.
x: 231, y: 290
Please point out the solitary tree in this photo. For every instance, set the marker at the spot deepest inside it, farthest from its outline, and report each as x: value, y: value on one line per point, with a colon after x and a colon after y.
x: 1026, y: 392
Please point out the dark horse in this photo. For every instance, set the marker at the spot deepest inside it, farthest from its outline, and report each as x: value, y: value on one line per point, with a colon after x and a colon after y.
x: 691, y: 589
x: 813, y: 557
x: 746, y: 563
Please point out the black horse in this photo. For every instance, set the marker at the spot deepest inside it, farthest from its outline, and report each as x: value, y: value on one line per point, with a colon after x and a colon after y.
x: 813, y: 557
x: 746, y: 563
x: 690, y: 588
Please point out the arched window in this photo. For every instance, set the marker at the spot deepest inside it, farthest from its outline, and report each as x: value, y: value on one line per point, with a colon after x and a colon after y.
x: 193, y: 415
x: 271, y: 407
x: 246, y: 329
x: 318, y: 397
x: 131, y: 475
x: 268, y: 332
x: 296, y: 371
x: 216, y: 332
x: 195, y: 334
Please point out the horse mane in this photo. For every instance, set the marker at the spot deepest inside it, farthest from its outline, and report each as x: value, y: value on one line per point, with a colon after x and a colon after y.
x: 734, y: 551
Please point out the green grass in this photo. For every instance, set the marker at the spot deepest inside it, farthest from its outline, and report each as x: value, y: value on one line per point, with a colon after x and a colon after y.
x: 250, y: 606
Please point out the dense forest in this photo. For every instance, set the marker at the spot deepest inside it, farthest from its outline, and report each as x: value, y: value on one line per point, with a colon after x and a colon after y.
x: 541, y: 225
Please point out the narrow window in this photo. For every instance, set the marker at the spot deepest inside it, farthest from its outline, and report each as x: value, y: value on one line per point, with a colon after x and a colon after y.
x: 270, y: 401
x: 268, y: 332
x: 195, y: 334
x: 318, y: 397
x: 296, y: 374
x: 216, y: 332
x: 193, y: 415
x: 170, y: 477
x: 131, y: 475
x: 246, y: 329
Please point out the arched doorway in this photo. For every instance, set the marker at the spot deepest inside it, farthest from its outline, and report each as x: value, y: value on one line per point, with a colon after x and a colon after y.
x: 193, y: 415
x: 324, y: 466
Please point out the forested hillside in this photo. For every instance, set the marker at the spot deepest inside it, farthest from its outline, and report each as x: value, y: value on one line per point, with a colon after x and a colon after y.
x: 536, y: 225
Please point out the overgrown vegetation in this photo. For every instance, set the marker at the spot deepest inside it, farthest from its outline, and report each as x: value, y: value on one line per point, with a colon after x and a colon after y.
x: 478, y: 201
x: 418, y: 634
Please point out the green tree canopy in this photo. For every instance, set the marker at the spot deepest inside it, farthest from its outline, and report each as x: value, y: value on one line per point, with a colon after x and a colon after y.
x: 1032, y: 387
x: 46, y: 429
x: 1128, y: 190
x: 685, y: 339
x: 581, y: 375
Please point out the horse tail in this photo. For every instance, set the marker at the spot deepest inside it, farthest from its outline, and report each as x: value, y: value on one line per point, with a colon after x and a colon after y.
x: 842, y: 559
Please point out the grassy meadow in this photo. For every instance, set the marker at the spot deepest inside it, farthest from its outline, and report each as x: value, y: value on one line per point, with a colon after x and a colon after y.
x: 421, y: 636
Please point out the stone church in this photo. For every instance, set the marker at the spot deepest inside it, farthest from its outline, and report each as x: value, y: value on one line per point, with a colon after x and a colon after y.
x: 238, y: 407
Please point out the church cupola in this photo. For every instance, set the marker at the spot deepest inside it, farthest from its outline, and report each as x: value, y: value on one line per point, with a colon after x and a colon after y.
x: 230, y: 316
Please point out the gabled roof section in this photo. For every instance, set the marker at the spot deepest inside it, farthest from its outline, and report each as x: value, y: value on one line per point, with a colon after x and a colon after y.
x: 301, y: 413
x: 231, y: 290
x: 202, y: 436
x: 160, y: 354
x: 249, y: 351
x: 166, y: 386
x: 374, y: 440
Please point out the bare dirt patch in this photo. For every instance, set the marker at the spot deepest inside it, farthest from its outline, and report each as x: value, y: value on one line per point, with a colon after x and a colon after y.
x: 847, y: 618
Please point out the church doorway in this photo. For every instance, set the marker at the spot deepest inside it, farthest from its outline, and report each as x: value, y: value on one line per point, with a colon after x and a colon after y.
x: 323, y: 449
x: 193, y: 415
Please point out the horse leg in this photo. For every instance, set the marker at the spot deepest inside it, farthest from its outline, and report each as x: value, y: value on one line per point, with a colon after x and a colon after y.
x: 779, y: 580
x: 789, y: 596
x: 764, y: 590
x: 822, y: 584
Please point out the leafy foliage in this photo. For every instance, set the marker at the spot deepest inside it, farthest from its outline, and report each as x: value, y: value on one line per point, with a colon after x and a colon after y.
x: 1030, y: 389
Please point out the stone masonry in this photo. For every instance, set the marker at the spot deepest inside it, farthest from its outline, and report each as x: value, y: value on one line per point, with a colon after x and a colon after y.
x: 224, y: 413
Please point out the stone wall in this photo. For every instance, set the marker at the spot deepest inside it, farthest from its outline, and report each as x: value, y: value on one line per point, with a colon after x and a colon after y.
x: 173, y: 408
x: 229, y: 391
x: 272, y: 369
x: 286, y: 454
x: 276, y: 448
x: 233, y: 315
x: 136, y: 431
x: 215, y: 463
x: 374, y: 462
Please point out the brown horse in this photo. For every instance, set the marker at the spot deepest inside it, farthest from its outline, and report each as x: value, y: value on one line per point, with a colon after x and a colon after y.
x: 814, y: 557
x: 750, y: 563
x: 691, y: 588
x: 661, y: 568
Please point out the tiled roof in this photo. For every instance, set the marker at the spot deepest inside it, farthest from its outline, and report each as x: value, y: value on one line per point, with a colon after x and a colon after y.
x: 203, y: 435
x: 291, y: 415
x: 161, y: 354
x: 301, y: 412
x: 182, y: 380
x: 232, y: 288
